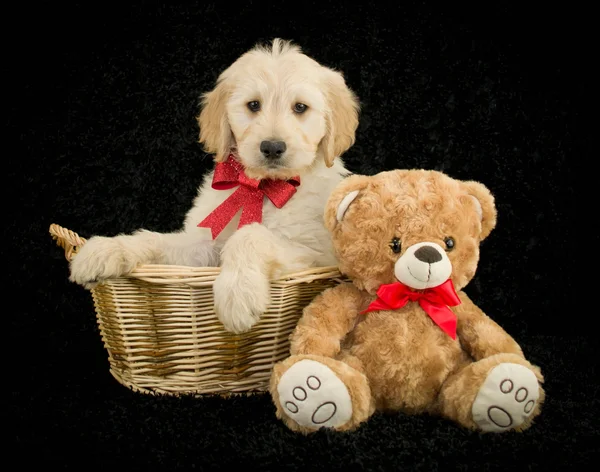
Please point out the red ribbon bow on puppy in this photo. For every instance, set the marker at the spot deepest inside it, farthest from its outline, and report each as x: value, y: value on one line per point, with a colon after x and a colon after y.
x: 249, y: 195
x: 434, y: 301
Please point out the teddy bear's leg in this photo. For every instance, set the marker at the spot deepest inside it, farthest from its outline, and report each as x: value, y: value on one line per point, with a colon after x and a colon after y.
x: 499, y: 393
x: 312, y: 392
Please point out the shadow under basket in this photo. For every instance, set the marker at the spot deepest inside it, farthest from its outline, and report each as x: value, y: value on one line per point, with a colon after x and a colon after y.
x: 162, y: 336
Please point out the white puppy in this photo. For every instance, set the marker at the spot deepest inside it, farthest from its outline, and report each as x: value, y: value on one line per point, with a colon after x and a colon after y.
x: 276, y: 117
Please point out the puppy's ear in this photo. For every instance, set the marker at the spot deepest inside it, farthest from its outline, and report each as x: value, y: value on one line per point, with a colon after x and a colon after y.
x: 341, y: 199
x: 341, y: 116
x: 215, y: 132
x: 484, y: 206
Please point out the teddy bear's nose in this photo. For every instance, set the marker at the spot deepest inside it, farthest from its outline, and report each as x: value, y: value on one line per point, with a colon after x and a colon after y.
x: 428, y: 254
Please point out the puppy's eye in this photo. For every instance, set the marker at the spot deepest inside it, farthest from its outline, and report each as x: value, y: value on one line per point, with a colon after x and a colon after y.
x: 449, y: 243
x: 395, y: 245
x: 253, y: 106
x: 300, y: 108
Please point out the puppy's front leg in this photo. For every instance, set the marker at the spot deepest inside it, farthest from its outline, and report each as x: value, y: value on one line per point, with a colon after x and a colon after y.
x: 102, y: 258
x: 249, y: 259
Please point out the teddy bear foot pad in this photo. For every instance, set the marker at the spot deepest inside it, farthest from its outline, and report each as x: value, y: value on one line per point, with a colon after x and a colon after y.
x: 313, y: 396
x: 506, y: 398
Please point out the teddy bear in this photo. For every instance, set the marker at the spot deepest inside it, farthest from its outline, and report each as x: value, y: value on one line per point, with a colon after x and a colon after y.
x: 400, y: 334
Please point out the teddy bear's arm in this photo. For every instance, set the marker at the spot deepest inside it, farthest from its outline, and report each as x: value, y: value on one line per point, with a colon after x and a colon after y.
x: 327, y: 320
x: 479, y: 334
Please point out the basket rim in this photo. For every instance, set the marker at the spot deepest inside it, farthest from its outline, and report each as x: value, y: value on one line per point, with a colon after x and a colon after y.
x: 182, y: 273
x: 71, y: 242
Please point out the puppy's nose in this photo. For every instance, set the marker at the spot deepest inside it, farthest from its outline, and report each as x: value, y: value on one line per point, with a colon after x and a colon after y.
x: 272, y: 149
x: 428, y: 254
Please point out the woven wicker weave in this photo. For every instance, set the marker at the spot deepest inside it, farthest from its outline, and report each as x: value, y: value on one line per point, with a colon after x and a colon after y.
x: 163, y: 337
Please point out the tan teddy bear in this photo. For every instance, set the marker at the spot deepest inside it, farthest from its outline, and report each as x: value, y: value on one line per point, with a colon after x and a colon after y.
x: 403, y: 336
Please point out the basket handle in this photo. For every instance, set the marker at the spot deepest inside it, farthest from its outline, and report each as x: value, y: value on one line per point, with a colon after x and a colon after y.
x: 70, y: 241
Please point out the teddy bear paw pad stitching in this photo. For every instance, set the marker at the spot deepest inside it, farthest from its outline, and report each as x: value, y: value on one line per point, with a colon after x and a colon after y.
x: 506, y: 398
x: 313, y: 396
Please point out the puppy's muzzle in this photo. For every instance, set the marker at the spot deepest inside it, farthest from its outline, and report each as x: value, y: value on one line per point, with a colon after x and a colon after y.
x: 272, y: 150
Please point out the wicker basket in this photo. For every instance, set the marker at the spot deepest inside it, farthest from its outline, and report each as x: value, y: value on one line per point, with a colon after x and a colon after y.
x: 163, y: 337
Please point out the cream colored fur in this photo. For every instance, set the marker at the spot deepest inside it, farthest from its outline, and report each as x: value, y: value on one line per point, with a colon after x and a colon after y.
x: 291, y: 238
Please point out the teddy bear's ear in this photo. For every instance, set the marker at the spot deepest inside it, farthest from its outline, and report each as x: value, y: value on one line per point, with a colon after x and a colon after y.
x: 344, y: 204
x: 484, y: 206
x: 342, y: 197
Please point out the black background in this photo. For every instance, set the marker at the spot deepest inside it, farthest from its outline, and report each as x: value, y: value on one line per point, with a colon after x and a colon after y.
x: 101, y: 138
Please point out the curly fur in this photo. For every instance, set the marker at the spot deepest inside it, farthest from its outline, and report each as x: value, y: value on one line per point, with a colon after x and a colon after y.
x: 412, y: 366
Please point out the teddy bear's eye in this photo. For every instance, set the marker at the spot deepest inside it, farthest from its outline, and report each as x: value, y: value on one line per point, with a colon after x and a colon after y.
x: 395, y: 245
x: 449, y: 243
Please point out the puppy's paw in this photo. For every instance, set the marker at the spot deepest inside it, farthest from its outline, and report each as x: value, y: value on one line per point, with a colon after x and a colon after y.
x: 241, y: 298
x: 100, y: 258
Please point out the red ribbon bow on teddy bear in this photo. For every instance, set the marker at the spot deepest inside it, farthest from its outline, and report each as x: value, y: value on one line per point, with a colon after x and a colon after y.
x: 249, y: 196
x: 434, y: 301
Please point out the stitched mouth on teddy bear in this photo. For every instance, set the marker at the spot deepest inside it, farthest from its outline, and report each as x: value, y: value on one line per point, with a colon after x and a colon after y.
x: 423, y: 265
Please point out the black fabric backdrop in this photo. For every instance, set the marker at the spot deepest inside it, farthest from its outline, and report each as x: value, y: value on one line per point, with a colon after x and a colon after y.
x: 101, y: 117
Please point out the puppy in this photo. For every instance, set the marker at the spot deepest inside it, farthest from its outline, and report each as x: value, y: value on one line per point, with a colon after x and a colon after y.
x: 277, y: 123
